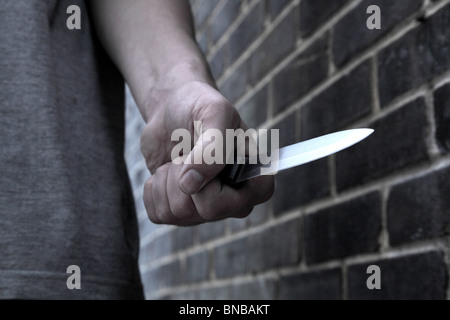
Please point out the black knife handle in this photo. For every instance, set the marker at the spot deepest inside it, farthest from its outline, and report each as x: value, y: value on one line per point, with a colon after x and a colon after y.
x: 230, y: 174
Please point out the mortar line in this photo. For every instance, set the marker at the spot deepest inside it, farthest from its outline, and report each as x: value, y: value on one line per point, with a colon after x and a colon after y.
x: 344, y: 279
x: 433, y: 149
x: 384, y: 233
x: 374, y: 85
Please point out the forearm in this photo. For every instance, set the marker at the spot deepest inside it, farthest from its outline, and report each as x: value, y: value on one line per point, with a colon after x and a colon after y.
x: 153, y: 44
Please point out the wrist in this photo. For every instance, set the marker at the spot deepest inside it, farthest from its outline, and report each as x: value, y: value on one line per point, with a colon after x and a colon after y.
x: 161, y: 84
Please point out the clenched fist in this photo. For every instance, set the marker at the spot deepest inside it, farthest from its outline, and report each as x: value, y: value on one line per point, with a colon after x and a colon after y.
x: 190, y: 193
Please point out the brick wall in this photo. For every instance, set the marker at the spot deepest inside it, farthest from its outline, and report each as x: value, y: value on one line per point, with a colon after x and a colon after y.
x: 309, y: 67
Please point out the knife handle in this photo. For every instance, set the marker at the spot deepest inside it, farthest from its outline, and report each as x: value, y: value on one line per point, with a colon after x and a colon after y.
x: 230, y: 174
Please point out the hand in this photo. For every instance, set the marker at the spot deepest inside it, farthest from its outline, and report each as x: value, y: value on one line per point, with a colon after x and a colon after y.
x: 190, y: 194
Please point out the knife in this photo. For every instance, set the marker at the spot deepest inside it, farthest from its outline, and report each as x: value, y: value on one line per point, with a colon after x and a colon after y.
x: 295, y: 155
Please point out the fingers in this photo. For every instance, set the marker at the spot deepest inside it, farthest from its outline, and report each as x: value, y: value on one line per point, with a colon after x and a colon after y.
x: 219, y: 201
x: 208, y: 157
x: 166, y: 203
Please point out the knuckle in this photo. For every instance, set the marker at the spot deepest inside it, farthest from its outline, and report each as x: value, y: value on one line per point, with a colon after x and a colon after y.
x: 153, y: 218
x: 181, y: 210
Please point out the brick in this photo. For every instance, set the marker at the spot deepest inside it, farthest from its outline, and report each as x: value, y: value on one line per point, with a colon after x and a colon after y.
x: 230, y: 259
x: 314, y: 13
x: 197, y: 267
x: 185, y: 295
x: 301, y: 75
x: 247, y: 31
x: 182, y: 238
x: 235, y: 86
x: 219, y: 62
x: 286, y: 130
x: 254, y: 110
x: 276, y: 6
x: 315, y: 285
x: 224, y: 18
x: 274, y: 247
x: 399, y: 140
x: 275, y: 47
x: 415, y: 58
x: 300, y: 185
x: 420, y: 276
x: 202, y: 12
x: 343, y: 230
x: 442, y: 114
x: 158, y: 248
x: 259, y: 289
x: 259, y: 215
x: 420, y: 209
x: 202, y: 41
x: 209, y: 231
x: 271, y: 248
x: 215, y: 293
x: 343, y: 102
x: 166, y: 276
x: 351, y: 34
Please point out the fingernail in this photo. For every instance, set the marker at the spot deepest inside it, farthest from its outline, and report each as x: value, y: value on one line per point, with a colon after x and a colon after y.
x: 191, y: 181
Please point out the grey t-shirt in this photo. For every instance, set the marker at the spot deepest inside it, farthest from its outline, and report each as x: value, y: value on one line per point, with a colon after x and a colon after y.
x: 64, y: 191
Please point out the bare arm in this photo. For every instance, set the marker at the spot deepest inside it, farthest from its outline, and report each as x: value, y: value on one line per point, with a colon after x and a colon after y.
x: 150, y: 41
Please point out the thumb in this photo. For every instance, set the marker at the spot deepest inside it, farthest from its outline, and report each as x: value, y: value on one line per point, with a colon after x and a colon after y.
x: 208, y: 156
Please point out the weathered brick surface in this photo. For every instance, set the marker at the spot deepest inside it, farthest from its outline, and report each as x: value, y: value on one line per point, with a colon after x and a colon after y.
x: 247, y: 31
x: 197, y: 267
x: 301, y: 185
x: 442, y: 114
x: 343, y: 230
x: 210, y: 231
x: 218, y: 62
x: 259, y: 216
x: 315, y: 285
x: 420, y: 209
x: 254, y: 110
x: 276, y: 46
x: 344, y: 101
x: 224, y: 18
x: 416, y: 57
x: 236, y: 85
x: 182, y: 238
x: 257, y: 252
x: 204, y: 9
x: 274, y: 247
x: 418, y: 276
x: 350, y: 38
x: 260, y: 289
x: 384, y: 201
x: 398, y: 141
x: 275, y: 6
x: 301, y: 75
x: 230, y: 259
x: 314, y: 13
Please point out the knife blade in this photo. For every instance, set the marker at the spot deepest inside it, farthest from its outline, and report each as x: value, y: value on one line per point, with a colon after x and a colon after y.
x: 296, y: 155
